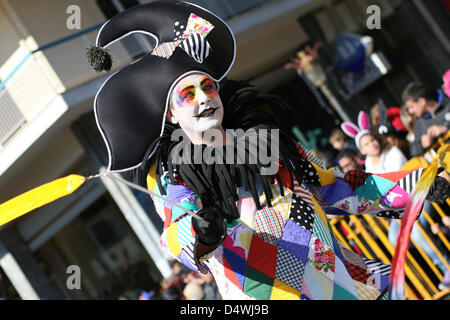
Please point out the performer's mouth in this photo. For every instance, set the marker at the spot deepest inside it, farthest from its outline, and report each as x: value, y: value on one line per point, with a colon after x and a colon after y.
x: 206, y: 113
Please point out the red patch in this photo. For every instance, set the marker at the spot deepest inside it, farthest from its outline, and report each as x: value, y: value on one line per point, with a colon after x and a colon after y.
x: 394, y: 176
x: 285, y: 178
x: 229, y: 273
x: 168, y: 214
x: 262, y: 256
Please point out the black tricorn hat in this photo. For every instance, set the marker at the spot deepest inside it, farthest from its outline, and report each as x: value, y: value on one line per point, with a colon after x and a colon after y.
x: 131, y: 106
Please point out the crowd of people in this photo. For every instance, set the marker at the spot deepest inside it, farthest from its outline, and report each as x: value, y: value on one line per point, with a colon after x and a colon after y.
x: 400, y: 138
x: 184, y: 284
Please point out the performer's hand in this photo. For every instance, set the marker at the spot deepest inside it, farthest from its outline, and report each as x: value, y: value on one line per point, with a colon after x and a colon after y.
x: 209, y: 225
x: 439, y: 190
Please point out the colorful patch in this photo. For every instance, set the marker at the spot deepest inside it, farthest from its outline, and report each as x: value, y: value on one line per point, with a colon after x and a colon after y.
x: 321, y: 257
x: 374, y: 187
x: 304, y: 194
x: 282, y: 291
x: 366, y: 292
x: 234, y: 267
x: 321, y: 231
x: 395, y: 198
x: 247, y: 209
x: 262, y: 256
x: 269, y: 225
x: 289, y: 269
x: 352, y: 258
x: 336, y: 192
x: 356, y: 178
x: 316, y: 285
x: 281, y: 204
x: 165, y: 49
x: 357, y: 273
x: 295, y: 239
x: 257, y: 284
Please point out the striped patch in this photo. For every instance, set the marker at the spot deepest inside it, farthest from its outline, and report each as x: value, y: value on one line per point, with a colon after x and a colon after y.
x: 165, y: 49
x: 408, y: 182
x: 196, y: 46
x: 366, y: 292
x: 300, y: 190
x: 321, y: 231
x: 376, y: 267
x: 184, y: 232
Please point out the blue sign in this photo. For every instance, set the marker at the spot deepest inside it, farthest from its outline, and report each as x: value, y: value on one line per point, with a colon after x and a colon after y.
x: 350, y: 53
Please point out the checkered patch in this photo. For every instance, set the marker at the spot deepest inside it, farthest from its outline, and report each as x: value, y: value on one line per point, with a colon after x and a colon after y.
x: 301, y: 213
x: 289, y: 269
x: 269, y: 225
x: 357, y: 273
x: 352, y: 257
x: 356, y: 178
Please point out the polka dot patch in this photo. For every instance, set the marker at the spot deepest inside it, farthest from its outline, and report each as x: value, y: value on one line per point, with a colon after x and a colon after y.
x: 301, y: 213
x: 178, y: 31
x: 310, y: 175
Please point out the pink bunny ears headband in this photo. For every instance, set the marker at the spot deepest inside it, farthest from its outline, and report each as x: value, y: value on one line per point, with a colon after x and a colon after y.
x: 446, y: 79
x: 357, y: 132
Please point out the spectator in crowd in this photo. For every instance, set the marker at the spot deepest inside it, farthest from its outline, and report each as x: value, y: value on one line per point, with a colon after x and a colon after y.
x: 349, y: 159
x: 209, y: 287
x: 379, y: 158
x: 174, y: 285
x: 388, y: 124
x: 432, y: 112
x: 408, y: 122
x: 340, y: 141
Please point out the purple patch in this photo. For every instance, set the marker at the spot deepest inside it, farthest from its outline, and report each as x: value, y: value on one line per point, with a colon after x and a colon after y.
x: 237, y: 264
x: 184, y: 259
x: 336, y: 192
x: 178, y: 192
x: 295, y: 239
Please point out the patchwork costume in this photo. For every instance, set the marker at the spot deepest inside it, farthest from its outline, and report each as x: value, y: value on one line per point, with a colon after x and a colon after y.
x: 289, y: 250
x: 277, y: 242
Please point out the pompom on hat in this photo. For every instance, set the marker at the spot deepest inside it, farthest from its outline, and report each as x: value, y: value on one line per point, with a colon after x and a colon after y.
x: 357, y: 131
x: 131, y: 105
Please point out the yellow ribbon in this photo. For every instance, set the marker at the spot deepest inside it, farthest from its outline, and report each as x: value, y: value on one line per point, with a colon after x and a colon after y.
x: 39, y: 197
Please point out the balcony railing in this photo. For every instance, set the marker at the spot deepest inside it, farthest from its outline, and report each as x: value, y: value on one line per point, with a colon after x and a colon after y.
x: 36, y: 78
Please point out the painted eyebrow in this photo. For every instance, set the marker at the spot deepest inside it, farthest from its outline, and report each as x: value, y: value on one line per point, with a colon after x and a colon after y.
x: 187, y: 89
x: 205, y: 80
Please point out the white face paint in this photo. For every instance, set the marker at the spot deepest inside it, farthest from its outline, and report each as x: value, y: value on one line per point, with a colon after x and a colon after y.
x: 196, y: 105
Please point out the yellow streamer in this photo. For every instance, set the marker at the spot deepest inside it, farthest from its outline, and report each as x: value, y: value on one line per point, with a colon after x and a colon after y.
x: 39, y: 197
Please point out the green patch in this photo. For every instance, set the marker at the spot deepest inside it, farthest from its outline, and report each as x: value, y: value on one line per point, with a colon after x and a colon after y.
x: 257, y: 284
